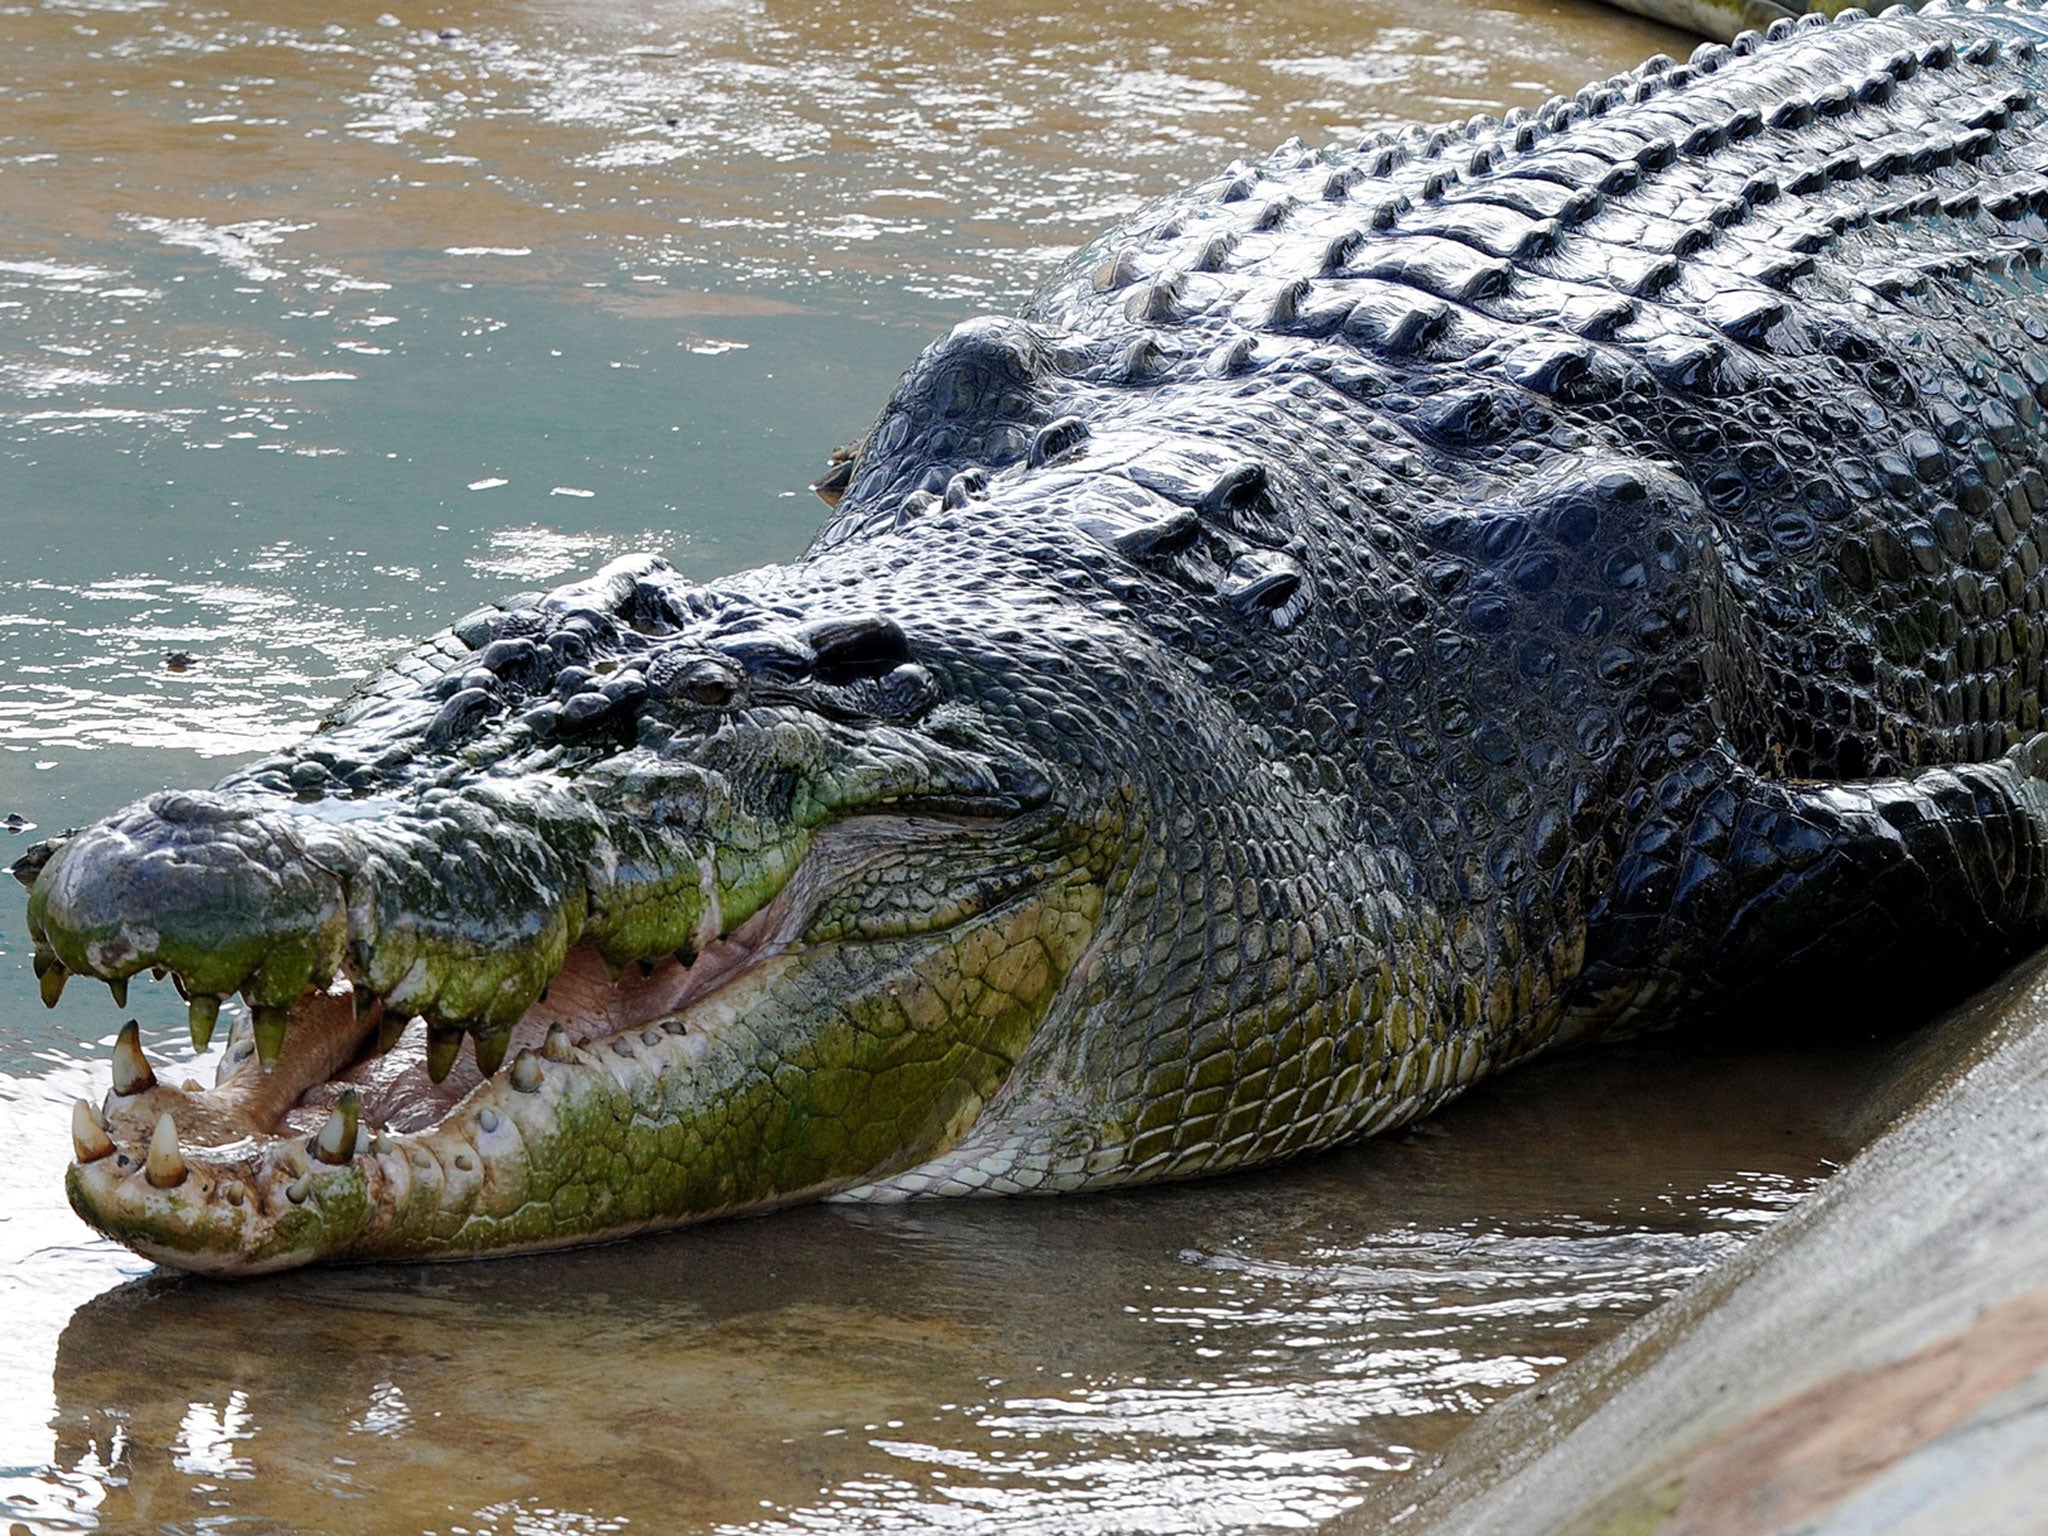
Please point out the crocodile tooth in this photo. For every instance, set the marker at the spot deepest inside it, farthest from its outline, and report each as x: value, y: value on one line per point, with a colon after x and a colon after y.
x: 336, y: 1142
x: 119, y: 987
x: 201, y: 1014
x: 269, y: 1023
x: 556, y: 1046
x: 526, y: 1072
x: 490, y: 1049
x: 165, y: 1166
x: 89, y: 1139
x: 365, y: 1000
x: 132, y: 1074
x: 52, y: 984
x: 444, y: 1044
x: 389, y: 1029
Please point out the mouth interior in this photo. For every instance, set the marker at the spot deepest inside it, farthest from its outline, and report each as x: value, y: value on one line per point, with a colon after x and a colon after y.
x: 330, y: 1049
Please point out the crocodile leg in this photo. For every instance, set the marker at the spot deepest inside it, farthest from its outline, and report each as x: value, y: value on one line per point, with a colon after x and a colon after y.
x: 1758, y: 895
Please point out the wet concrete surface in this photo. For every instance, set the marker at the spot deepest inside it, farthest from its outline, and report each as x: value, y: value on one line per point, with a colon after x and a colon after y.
x: 1876, y: 1363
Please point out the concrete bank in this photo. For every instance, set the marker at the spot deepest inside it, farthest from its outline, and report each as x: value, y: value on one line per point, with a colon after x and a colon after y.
x: 1877, y: 1362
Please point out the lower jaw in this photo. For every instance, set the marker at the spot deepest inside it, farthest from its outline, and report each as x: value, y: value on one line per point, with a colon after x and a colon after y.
x: 531, y: 1158
x: 453, y: 1168
x: 678, y: 1107
x: 463, y: 1184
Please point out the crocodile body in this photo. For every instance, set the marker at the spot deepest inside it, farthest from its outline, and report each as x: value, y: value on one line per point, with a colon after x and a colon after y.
x: 1374, y: 616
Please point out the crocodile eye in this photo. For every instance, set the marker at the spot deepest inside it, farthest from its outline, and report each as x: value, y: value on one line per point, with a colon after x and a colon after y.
x: 708, y: 682
x: 769, y: 656
x: 906, y: 691
x: 712, y: 689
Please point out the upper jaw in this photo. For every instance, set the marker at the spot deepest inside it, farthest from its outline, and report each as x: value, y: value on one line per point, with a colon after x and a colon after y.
x: 445, y: 856
x: 457, y: 907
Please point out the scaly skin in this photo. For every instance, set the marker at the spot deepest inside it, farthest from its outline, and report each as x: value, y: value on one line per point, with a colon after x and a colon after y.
x: 1377, y: 615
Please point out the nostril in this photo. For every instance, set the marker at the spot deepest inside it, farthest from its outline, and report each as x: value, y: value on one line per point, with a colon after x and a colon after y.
x: 180, y: 809
x: 862, y: 645
x: 35, y: 856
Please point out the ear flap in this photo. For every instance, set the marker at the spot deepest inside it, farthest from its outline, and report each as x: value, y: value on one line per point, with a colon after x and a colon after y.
x: 838, y: 475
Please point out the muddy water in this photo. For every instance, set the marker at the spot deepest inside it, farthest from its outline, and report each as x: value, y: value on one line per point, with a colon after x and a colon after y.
x: 318, y: 326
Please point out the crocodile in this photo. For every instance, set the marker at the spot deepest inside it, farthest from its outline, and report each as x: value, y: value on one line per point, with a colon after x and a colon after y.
x: 1376, y: 615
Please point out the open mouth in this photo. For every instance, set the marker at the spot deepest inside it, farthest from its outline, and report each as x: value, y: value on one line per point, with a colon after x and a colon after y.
x: 623, y: 1096
x: 357, y: 1089
x: 404, y: 1075
x: 407, y: 1077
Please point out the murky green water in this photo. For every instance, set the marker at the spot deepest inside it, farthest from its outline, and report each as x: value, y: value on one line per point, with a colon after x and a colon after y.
x: 318, y: 326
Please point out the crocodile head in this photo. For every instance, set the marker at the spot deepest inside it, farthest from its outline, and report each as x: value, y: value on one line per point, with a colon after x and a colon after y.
x: 618, y: 908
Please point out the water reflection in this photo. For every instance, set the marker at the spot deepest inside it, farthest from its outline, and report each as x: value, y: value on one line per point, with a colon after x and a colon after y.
x: 103, y: 679
x: 1246, y: 1355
